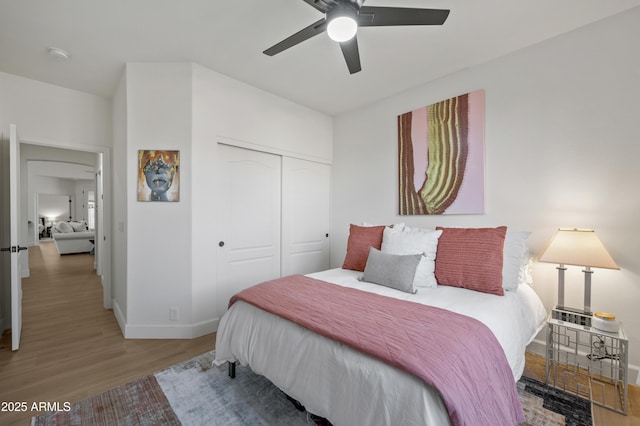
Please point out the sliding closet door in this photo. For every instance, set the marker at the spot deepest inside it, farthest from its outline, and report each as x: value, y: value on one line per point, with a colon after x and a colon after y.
x: 249, y: 185
x: 306, y: 196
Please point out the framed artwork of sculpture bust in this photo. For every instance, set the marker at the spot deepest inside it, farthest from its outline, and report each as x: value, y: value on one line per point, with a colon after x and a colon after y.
x: 158, y: 175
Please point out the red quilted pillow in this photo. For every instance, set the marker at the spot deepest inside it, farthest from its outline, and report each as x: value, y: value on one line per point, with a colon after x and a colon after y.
x: 471, y: 258
x: 360, y: 239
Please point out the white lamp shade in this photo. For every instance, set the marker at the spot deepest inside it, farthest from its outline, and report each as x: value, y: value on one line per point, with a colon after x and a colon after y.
x: 579, y: 247
x: 342, y: 28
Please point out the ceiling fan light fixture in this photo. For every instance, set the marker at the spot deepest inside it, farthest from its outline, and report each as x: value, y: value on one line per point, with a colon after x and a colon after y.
x: 343, y: 17
x: 342, y: 28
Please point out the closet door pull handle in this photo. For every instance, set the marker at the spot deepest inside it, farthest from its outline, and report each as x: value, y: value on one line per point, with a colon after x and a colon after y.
x: 221, y: 244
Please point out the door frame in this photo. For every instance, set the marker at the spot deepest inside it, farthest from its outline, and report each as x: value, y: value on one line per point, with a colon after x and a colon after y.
x: 15, y: 247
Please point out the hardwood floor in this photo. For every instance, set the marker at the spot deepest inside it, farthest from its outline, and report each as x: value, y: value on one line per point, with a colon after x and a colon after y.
x: 535, y: 369
x: 71, y: 347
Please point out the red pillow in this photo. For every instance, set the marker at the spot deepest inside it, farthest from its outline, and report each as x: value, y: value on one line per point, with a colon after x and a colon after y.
x: 360, y: 239
x: 471, y: 258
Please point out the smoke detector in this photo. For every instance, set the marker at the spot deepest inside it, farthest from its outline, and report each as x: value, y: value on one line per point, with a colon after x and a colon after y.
x: 60, y: 55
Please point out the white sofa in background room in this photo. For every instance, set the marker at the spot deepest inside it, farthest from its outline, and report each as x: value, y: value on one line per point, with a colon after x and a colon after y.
x: 72, y: 237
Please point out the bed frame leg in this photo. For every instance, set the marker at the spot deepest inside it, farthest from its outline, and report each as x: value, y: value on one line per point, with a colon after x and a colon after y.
x: 232, y: 369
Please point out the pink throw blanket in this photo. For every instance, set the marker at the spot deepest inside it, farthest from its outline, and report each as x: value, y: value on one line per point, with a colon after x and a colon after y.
x: 457, y: 355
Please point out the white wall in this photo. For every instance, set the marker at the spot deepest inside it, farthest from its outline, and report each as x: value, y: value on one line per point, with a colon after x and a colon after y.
x: 238, y: 112
x: 52, y: 206
x: 170, y: 247
x: 47, y: 113
x: 158, y: 234
x: 561, y: 151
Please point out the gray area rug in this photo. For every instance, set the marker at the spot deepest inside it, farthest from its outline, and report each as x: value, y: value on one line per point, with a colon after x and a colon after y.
x: 202, y: 394
x: 196, y: 393
x: 549, y: 406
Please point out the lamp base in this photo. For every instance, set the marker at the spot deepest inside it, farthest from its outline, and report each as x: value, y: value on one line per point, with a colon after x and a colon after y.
x: 571, y: 315
x: 574, y: 310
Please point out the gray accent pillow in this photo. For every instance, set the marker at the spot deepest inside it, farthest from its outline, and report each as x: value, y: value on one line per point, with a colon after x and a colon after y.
x: 391, y: 270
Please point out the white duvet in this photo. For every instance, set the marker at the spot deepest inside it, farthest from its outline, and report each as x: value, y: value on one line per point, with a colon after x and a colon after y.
x: 350, y: 388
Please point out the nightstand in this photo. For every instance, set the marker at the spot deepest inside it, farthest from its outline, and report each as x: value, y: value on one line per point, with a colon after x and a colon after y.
x: 587, y: 362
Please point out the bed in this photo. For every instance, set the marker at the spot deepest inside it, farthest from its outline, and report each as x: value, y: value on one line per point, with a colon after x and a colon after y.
x: 351, y: 387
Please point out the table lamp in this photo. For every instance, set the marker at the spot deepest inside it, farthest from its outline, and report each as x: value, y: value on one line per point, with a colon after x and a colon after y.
x: 578, y: 247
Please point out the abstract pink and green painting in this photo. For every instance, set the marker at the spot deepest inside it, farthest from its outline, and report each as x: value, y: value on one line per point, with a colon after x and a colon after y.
x: 441, y: 157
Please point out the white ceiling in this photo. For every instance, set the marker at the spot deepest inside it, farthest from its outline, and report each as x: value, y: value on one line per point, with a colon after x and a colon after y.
x: 229, y: 37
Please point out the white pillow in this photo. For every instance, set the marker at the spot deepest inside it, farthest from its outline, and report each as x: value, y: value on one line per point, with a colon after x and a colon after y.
x: 64, y: 227
x: 515, y: 259
x: 525, y: 270
x: 408, y: 228
x: 78, y: 226
x: 417, y: 241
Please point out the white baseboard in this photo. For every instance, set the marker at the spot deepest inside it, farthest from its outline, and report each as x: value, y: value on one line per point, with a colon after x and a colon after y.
x: 538, y: 347
x: 109, y: 304
x: 172, y: 331
x: 117, y: 312
x: 205, y: 327
x: 163, y: 331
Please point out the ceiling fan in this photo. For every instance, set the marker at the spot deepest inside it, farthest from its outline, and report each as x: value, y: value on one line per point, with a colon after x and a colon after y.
x: 343, y: 17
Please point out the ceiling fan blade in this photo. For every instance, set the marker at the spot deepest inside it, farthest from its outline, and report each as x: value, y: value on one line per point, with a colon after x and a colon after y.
x: 372, y: 16
x: 314, y: 29
x: 322, y: 5
x: 351, y: 55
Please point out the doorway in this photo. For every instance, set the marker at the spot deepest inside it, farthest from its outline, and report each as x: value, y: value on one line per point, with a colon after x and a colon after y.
x: 83, y: 164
